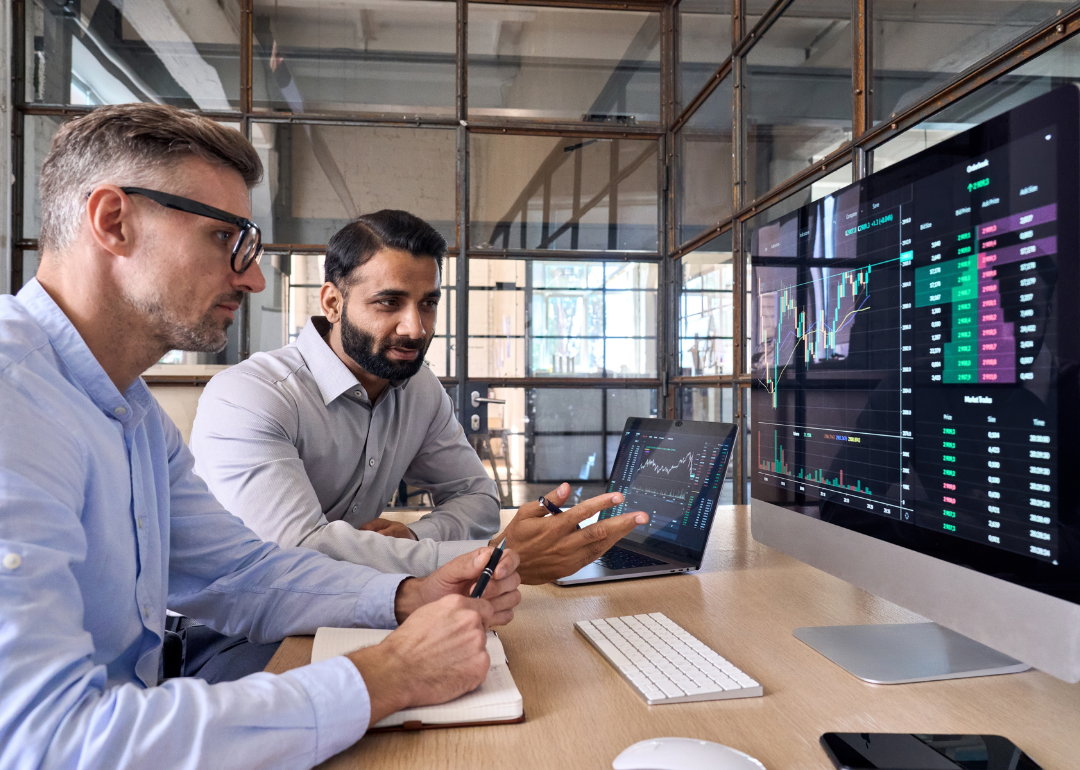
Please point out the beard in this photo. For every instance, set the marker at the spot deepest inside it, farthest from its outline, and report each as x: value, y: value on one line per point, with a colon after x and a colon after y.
x: 370, y: 355
x: 206, y: 335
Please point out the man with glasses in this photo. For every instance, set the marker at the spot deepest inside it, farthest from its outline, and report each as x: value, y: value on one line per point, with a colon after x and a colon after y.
x: 307, y: 444
x: 103, y: 525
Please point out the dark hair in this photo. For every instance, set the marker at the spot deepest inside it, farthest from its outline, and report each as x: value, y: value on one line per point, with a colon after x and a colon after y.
x: 357, y: 242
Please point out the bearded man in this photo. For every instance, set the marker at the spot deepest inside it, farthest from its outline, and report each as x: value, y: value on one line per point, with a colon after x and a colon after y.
x: 307, y: 444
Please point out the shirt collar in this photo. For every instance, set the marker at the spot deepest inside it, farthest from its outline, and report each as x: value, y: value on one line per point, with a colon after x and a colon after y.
x: 80, y: 362
x: 331, y: 375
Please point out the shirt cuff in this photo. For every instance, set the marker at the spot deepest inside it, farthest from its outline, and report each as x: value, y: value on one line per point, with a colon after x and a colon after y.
x: 341, y: 703
x: 452, y: 549
x: 375, y: 609
x: 425, y: 530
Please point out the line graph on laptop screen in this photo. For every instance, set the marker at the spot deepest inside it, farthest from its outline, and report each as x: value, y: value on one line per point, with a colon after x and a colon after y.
x: 674, y: 478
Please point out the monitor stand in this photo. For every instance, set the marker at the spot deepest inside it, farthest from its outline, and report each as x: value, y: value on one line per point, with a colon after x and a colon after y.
x: 906, y: 652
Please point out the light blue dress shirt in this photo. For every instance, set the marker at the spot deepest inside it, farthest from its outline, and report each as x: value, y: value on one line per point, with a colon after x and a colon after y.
x: 103, y: 525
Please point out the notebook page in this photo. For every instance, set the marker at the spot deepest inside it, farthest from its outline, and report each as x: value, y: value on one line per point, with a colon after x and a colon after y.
x: 497, y: 698
x: 330, y: 642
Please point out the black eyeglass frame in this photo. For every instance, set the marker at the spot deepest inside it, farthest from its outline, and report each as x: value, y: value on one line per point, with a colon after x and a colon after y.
x: 239, y: 263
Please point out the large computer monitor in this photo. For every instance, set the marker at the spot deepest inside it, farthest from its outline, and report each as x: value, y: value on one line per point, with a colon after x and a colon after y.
x: 915, y: 347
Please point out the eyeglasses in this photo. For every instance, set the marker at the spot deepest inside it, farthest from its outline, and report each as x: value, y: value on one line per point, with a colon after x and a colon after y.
x: 248, y: 247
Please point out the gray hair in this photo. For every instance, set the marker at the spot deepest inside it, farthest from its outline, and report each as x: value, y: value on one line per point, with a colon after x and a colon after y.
x: 128, y: 145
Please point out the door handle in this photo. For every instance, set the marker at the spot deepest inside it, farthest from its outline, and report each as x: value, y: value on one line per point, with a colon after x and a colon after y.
x: 476, y: 400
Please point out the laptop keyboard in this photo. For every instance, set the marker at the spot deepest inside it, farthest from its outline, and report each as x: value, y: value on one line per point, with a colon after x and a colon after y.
x: 663, y: 662
x: 621, y: 558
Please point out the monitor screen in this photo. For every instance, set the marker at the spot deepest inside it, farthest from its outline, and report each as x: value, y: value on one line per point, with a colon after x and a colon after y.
x: 915, y: 341
x: 673, y: 470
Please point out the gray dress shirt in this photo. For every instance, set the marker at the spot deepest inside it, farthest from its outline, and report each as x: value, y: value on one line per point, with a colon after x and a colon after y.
x: 289, y: 442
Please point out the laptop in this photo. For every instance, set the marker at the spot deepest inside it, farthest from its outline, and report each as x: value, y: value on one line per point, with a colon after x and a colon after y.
x: 674, y: 471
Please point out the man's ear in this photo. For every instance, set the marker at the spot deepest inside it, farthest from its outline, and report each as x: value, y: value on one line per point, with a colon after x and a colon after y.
x: 110, y: 217
x: 332, y: 302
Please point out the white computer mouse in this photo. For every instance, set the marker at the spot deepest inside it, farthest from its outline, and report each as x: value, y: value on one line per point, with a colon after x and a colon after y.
x: 683, y: 754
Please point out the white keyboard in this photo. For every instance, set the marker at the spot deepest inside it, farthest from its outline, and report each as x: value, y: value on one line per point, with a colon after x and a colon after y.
x: 664, y: 662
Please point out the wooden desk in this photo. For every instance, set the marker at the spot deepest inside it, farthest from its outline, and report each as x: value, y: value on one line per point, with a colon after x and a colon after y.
x: 745, y: 602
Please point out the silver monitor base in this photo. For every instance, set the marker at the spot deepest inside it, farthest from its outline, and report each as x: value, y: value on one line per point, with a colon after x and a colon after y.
x: 906, y: 652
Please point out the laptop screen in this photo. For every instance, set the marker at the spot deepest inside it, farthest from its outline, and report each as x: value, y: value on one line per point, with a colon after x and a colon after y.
x: 673, y: 470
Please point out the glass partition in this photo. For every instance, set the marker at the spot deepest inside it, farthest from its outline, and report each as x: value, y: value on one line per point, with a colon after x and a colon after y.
x: 798, y: 92
x: 498, y: 290
x: 704, y: 43
x: 319, y: 177
x: 550, y: 192
x: 37, y: 134
x: 576, y: 432
x: 703, y: 166
x: 706, y: 404
x: 554, y: 435
x: 112, y: 52
x: 354, y: 56
x: 533, y: 62
x: 706, y: 309
x: 919, y: 46
x: 540, y: 318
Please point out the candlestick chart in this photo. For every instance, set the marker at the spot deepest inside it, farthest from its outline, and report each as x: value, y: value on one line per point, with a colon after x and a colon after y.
x: 810, y: 320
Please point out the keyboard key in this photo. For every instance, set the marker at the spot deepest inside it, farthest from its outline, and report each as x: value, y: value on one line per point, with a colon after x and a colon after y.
x: 670, y: 690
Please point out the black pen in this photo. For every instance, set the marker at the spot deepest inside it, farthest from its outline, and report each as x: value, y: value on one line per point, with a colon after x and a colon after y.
x: 549, y: 505
x: 553, y: 508
x: 489, y: 570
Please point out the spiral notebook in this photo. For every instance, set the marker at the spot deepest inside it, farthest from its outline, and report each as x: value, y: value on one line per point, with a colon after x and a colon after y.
x: 496, y: 701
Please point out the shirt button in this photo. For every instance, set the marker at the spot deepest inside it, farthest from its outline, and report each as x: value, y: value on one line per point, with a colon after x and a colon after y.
x: 120, y: 411
x: 354, y: 508
x: 12, y: 561
x: 138, y: 522
x: 357, y: 393
x: 146, y: 610
x: 371, y: 462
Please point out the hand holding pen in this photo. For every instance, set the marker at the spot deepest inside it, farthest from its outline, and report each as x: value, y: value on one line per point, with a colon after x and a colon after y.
x: 489, y: 570
x: 459, y: 577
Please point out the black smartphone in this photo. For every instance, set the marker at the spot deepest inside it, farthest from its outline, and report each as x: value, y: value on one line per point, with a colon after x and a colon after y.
x: 910, y: 751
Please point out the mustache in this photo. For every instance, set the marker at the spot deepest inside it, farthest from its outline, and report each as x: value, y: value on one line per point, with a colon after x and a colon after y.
x: 232, y: 296
x: 403, y: 342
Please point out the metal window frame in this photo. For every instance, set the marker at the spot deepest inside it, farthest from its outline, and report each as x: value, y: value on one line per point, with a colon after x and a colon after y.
x: 865, y: 137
